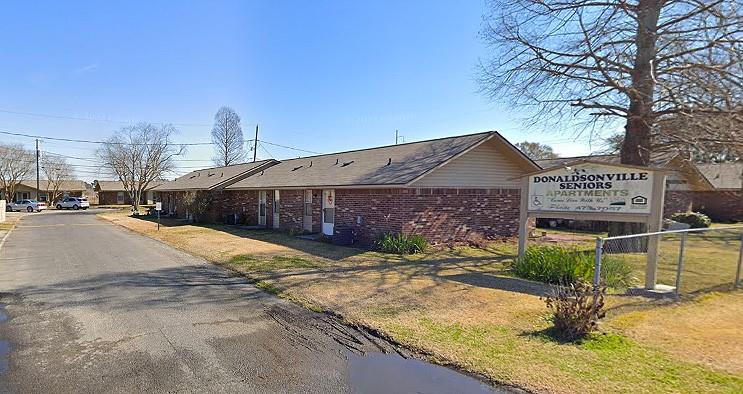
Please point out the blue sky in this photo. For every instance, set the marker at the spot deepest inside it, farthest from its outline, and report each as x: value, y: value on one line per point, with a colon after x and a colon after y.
x: 323, y: 76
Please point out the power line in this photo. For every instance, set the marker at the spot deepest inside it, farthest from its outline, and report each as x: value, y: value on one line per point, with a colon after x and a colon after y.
x: 42, y: 115
x: 96, y: 161
x: 128, y: 143
x: 95, y: 142
x: 290, y: 147
x: 265, y: 150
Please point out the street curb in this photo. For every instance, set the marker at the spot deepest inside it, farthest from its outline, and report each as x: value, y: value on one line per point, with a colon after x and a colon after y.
x: 2, y: 241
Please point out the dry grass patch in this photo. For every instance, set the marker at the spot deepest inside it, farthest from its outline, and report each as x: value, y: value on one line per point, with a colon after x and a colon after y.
x: 461, y: 306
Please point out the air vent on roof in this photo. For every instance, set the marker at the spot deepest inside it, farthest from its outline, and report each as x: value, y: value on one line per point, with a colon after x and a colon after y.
x: 348, y: 163
x: 222, y: 174
x: 336, y: 161
x: 296, y: 168
x: 310, y: 164
x: 262, y: 172
x: 389, y: 161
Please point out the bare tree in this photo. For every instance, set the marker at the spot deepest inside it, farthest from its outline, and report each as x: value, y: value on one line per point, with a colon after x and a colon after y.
x: 601, y: 63
x: 139, y: 155
x: 15, y: 164
x: 227, y: 136
x: 633, y: 61
x: 536, y: 151
x: 56, y: 171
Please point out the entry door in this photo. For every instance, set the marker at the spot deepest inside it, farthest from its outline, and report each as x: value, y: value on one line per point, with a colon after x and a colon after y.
x: 262, y: 208
x: 276, y: 204
x: 307, y: 210
x: 328, y: 211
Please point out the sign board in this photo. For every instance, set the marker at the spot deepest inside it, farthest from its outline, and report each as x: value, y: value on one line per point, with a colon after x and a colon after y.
x: 592, y: 188
x: 158, y: 206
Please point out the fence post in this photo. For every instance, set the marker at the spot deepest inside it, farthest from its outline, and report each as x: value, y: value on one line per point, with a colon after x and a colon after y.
x: 680, y: 267
x: 740, y: 264
x: 597, y: 264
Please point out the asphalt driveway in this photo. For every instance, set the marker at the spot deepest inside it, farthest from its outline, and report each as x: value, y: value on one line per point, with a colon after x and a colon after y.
x: 90, y: 307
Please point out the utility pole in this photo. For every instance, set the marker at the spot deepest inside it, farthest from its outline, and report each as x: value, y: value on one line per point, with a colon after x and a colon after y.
x: 396, y: 137
x: 255, y: 144
x: 37, y: 169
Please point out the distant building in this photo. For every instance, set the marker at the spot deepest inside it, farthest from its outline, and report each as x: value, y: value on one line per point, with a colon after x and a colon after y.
x: 725, y: 202
x: 26, y: 189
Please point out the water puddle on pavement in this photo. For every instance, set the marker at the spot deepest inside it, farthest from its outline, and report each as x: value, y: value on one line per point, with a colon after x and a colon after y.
x: 3, y: 315
x: 390, y: 373
x: 4, y: 350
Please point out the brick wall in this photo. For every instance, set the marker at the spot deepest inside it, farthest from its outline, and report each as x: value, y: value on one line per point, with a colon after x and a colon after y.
x: 291, y: 210
x: 440, y: 215
x: 109, y: 198
x: 721, y: 206
x: 244, y: 203
x: 677, y: 201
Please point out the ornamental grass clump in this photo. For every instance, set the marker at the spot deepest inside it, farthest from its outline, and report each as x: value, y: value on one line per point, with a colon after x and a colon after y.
x: 556, y: 264
x: 401, y: 243
x: 576, y: 309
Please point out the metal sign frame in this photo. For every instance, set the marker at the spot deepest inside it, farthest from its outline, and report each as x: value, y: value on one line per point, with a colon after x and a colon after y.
x: 653, y: 219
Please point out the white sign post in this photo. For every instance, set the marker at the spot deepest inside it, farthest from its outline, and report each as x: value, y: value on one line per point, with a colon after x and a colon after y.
x: 158, y: 208
x: 2, y: 211
x: 587, y: 190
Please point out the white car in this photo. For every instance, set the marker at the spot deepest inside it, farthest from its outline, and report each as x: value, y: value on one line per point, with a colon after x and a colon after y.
x: 25, y: 205
x: 73, y: 203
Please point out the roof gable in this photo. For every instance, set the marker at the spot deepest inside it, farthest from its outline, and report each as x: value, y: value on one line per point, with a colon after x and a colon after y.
x: 723, y: 175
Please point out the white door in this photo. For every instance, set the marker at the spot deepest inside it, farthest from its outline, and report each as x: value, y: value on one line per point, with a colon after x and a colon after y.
x: 328, y: 211
x: 262, y: 208
x: 307, y: 210
x: 276, y: 204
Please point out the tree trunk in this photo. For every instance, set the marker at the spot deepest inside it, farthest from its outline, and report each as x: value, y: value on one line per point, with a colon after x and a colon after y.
x: 636, y: 147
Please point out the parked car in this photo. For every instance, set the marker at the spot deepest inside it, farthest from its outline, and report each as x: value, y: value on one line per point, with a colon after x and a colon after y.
x: 25, y: 205
x: 73, y: 203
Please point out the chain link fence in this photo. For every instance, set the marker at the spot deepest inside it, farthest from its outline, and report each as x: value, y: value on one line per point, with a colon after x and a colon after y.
x: 689, y: 261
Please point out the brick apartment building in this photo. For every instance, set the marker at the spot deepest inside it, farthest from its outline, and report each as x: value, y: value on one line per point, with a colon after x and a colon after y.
x: 209, y: 180
x: 445, y: 189
x: 114, y: 193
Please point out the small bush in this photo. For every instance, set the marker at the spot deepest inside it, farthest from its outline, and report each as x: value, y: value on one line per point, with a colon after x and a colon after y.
x: 694, y: 219
x: 561, y: 265
x: 553, y: 264
x: 401, y: 243
x: 576, y: 309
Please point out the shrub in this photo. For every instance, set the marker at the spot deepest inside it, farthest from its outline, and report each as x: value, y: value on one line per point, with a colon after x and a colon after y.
x: 561, y: 265
x: 401, y: 243
x: 694, y: 219
x: 197, y: 203
x: 576, y: 309
x: 553, y: 264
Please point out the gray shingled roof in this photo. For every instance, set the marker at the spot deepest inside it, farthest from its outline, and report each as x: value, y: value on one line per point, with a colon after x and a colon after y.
x: 387, y: 165
x: 211, y: 178
x: 67, y: 185
x: 658, y: 159
x: 723, y: 175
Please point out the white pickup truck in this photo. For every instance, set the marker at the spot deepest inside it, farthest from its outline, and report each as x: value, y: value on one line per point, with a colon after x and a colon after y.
x: 25, y: 205
x: 73, y: 203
